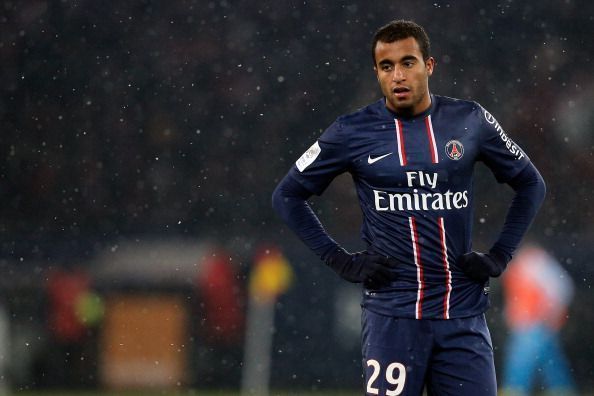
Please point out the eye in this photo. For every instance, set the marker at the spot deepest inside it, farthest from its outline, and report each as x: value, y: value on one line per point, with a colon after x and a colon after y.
x: 386, y: 67
x: 408, y: 64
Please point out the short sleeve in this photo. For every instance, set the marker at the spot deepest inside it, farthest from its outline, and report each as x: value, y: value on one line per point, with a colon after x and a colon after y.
x: 497, y: 150
x: 323, y: 161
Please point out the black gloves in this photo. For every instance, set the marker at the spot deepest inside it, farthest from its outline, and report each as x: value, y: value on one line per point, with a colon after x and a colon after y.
x: 372, y: 269
x: 481, y: 266
x: 375, y: 270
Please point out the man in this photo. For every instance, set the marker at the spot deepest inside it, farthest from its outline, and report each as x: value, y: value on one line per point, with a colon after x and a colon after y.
x: 538, y: 292
x: 411, y: 155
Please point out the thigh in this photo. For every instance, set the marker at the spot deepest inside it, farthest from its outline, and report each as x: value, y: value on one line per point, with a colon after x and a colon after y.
x: 395, y: 354
x: 462, y: 362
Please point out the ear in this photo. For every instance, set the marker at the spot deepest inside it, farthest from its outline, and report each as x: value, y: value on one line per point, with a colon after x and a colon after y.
x: 430, y: 65
x: 375, y: 71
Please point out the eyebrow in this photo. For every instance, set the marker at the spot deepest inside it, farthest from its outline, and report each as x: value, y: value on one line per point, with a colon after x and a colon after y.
x: 408, y: 57
x: 403, y: 59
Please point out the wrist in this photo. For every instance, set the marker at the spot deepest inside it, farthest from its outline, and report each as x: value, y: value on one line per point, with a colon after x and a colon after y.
x: 500, y: 260
x: 336, y: 257
x: 500, y: 255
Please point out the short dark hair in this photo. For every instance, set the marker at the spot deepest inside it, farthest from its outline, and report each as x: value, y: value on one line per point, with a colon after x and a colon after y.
x: 400, y: 30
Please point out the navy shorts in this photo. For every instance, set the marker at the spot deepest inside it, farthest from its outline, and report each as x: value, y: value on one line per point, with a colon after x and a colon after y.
x: 451, y: 357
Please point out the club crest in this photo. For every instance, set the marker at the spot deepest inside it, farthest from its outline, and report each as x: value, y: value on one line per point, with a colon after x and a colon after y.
x: 454, y: 150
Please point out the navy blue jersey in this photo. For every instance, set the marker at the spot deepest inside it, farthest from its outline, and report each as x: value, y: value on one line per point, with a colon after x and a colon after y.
x: 413, y: 178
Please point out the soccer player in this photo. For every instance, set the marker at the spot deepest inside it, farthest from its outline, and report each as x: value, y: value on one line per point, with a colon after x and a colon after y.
x: 411, y: 155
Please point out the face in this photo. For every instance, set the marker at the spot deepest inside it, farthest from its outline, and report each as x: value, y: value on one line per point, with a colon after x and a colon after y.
x: 403, y: 76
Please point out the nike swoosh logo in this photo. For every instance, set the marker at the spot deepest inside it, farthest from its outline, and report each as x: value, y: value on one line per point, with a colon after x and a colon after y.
x: 372, y: 160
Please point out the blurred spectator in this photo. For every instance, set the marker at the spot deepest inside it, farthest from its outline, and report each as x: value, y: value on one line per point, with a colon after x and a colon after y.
x: 72, y: 311
x: 220, y: 291
x: 220, y: 321
x: 537, y: 293
x: 64, y: 289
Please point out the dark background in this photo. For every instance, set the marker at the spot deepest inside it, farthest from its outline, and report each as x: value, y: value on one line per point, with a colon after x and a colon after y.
x: 141, y: 120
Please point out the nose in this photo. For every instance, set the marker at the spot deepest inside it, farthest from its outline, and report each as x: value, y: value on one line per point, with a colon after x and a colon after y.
x: 398, y: 75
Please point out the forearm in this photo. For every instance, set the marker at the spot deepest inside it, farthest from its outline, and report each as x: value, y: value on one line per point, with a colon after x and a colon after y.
x: 289, y: 200
x: 530, y: 189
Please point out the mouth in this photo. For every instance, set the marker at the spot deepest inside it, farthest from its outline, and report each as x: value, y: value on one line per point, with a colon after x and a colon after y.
x: 401, y: 92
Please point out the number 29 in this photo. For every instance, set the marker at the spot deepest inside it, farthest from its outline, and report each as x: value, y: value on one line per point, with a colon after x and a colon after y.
x: 399, y: 380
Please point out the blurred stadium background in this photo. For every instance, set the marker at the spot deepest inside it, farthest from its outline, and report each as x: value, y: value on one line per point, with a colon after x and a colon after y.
x: 140, y: 144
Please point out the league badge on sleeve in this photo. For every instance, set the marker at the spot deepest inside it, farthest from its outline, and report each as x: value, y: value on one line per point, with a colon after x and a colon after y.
x: 308, y: 157
x: 454, y: 149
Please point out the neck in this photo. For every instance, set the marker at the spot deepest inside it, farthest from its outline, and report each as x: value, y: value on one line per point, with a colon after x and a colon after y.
x: 412, y: 111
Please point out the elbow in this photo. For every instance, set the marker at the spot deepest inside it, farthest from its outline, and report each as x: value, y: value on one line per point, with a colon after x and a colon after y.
x: 542, y: 188
x: 287, y: 193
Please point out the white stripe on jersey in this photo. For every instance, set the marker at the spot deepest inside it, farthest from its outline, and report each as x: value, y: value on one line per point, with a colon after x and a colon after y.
x: 432, y: 144
x: 446, y: 266
x: 417, y: 257
x: 399, y: 138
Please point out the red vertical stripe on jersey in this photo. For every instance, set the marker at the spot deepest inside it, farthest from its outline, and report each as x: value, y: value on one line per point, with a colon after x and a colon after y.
x: 431, y: 136
x: 417, y: 256
x: 446, y: 267
x: 400, y: 140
